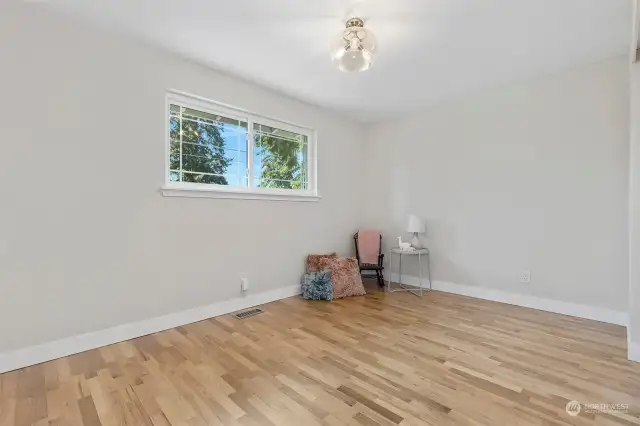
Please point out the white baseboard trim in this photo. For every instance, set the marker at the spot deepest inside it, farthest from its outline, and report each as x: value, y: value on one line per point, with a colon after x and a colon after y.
x: 634, y: 351
x: 72, y: 345
x: 549, y: 305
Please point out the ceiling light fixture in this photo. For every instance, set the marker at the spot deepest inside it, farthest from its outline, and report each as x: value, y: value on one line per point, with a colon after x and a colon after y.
x: 356, y: 47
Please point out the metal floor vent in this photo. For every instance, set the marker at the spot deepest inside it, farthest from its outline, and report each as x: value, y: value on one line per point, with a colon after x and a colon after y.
x: 248, y: 313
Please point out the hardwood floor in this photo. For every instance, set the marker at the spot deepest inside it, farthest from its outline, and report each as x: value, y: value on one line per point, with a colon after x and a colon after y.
x: 383, y: 359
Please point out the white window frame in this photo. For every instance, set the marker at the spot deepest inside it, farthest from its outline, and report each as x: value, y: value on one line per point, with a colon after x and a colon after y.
x: 199, y: 190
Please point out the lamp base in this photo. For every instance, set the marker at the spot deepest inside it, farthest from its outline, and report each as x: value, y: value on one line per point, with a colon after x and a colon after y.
x: 415, y: 242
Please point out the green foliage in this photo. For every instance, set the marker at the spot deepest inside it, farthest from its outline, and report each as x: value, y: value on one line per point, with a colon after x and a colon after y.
x: 202, y: 151
x: 283, y: 159
x: 281, y: 165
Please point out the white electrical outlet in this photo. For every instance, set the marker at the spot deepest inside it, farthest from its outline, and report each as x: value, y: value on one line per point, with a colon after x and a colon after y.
x: 244, y: 283
x: 525, y: 278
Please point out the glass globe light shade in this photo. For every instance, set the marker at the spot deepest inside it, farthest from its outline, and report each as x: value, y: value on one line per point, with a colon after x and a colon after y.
x: 354, y: 49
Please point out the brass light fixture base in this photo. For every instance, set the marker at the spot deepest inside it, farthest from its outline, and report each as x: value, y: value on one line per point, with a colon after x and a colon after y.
x: 355, y: 22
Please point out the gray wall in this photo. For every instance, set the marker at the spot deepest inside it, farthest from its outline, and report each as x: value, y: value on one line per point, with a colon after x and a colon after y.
x: 532, y: 176
x: 86, y: 239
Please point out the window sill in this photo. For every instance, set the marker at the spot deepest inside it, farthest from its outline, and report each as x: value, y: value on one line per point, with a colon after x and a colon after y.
x: 237, y: 193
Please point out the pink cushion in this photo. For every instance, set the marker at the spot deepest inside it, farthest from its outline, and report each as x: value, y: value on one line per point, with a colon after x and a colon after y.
x: 313, y: 261
x: 345, y: 276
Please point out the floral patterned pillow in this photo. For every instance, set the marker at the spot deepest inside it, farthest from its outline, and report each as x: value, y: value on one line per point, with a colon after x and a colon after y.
x: 313, y: 261
x: 317, y: 286
x: 345, y: 275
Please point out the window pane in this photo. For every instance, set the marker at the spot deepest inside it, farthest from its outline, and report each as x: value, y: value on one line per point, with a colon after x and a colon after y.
x: 280, y: 158
x: 197, y: 163
x: 205, y: 117
x: 283, y: 134
x: 236, y: 148
x: 174, y: 156
x: 174, y: 110
x: 207, y: 148
x: 203, y: 178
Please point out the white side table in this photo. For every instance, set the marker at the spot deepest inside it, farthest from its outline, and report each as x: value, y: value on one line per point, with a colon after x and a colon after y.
x: 401, y: 254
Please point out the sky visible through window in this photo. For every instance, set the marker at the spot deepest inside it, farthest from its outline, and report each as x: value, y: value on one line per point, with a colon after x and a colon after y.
x: 235, y: 144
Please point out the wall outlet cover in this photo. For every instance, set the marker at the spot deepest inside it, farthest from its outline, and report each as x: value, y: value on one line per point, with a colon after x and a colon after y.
x: 244, y: 283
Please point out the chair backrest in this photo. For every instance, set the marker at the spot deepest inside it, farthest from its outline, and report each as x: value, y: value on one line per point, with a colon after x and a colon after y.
x: 355, y: 240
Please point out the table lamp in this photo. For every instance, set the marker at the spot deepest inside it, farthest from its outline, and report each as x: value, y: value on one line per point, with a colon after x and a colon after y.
x: 416, y: 225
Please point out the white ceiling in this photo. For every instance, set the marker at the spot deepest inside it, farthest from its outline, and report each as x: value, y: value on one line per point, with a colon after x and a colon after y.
x: 429, y: 50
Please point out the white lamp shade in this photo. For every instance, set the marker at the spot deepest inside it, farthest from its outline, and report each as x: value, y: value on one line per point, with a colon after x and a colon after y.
x: 415, y: 224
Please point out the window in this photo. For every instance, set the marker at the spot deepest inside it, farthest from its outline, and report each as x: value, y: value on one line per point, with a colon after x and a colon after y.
x: 218, y: 151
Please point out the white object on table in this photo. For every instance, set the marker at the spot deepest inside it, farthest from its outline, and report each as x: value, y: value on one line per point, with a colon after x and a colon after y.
x: 416, y: 226
x: 403, y: 246
x: 400, y: 252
